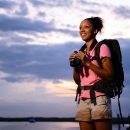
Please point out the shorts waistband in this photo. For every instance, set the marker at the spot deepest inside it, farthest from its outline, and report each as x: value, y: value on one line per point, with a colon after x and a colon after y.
x: 84, y: 98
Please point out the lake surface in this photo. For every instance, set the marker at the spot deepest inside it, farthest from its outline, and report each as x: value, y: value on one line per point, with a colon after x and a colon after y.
x: 45, y: 126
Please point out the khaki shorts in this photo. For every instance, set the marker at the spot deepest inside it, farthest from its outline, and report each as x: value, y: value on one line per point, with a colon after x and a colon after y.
x: 87, y: 111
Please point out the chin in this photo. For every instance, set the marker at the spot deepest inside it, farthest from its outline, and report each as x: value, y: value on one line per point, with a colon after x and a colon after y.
x: 86, y: 40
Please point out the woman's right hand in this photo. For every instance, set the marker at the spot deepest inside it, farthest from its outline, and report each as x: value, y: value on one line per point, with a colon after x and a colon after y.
x: 72, y: 56
x: 76, y: 76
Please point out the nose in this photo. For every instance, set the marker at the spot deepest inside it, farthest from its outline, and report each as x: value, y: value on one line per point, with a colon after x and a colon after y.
x: 82, y: 30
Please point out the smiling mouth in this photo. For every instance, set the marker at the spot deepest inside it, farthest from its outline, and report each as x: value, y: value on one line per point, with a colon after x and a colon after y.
x: 82, y: 35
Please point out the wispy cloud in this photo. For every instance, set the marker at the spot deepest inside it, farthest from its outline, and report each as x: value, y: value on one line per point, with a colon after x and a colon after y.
x: 123, y: 12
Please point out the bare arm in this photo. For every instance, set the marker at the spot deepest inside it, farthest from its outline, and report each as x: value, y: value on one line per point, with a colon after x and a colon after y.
x: 106, y: 72
x: 76, y: 76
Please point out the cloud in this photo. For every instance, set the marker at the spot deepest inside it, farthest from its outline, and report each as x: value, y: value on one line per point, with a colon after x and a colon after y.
x: 122, y: 11
x: 7, y: 4
x: 23, y: 9
x: 17, y: 24
x: 25, y: 24
x: 51, y: 3
x: 50, y: 62
x: 45, y: 61
x: 30, y: 23
x: 35, y: 90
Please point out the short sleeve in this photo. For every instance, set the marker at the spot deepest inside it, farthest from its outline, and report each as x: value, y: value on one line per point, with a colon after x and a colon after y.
x: 105, y: 51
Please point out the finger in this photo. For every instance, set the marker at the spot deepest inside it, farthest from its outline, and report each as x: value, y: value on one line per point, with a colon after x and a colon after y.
x: 71, y: 60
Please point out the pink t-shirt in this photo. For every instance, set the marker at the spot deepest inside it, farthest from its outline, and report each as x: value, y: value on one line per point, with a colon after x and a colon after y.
x: 87, y: 76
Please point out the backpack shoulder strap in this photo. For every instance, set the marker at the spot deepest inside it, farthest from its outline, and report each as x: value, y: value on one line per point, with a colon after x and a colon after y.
x: 97, y: 53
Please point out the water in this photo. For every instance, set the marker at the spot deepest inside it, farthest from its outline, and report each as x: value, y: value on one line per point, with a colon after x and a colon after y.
x: 45, y: 126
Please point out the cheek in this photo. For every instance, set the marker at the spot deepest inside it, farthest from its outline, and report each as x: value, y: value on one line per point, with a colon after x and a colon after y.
x: 91, y: 33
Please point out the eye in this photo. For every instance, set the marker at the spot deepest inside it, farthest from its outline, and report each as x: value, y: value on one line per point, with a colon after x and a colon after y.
x: 79, y: 28
x: 86, y: 26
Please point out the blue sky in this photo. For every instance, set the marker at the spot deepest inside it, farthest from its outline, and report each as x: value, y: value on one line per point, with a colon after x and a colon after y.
x: 36, y: 39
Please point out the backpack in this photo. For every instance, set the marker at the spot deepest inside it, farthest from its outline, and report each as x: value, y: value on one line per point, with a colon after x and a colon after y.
x: 116, y: 56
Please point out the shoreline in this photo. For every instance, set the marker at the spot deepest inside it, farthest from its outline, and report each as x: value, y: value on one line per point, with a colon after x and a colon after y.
x: 54, y: 119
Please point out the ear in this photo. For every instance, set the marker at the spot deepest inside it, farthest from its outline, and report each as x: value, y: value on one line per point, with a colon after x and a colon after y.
x: 95, y: 31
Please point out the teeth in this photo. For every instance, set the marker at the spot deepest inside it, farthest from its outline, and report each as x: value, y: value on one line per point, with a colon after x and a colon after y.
x: 82, y: 34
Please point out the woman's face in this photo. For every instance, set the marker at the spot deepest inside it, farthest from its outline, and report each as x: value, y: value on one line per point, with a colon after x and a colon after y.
x: 87, y: 31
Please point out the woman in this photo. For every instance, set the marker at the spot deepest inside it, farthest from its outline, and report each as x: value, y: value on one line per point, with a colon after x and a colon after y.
x: 93, y: 115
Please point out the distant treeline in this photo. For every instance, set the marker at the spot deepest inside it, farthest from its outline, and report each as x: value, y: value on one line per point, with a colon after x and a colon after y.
x: 53, y: 119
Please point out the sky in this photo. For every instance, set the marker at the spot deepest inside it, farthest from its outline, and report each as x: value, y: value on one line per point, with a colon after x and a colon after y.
x: 36, y: 39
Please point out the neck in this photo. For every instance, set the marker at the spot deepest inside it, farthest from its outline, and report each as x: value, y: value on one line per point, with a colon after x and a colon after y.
x: 88, y: 44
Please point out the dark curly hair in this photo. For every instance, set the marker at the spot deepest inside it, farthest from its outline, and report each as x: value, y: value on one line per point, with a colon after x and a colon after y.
x: 97, y: 22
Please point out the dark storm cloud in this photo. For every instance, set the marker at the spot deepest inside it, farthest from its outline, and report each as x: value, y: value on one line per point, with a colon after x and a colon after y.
x: 50, y: 62
x: 122, y: 11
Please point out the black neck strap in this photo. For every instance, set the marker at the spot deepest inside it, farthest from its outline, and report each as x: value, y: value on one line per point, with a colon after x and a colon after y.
x: 91, y: 46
